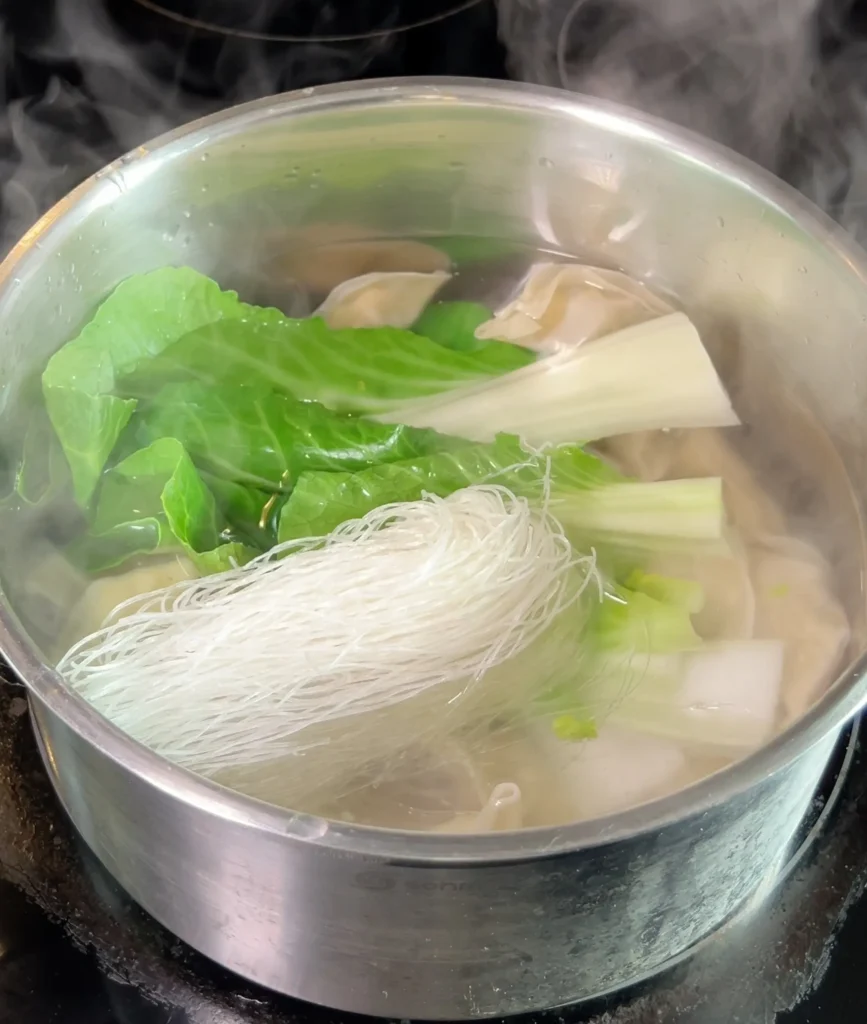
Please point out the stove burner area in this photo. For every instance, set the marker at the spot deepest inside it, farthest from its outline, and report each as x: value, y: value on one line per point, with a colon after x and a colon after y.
x: 87, y: 80
x: 304, y: 20
x: 234, y: 49
x: 74, y: 948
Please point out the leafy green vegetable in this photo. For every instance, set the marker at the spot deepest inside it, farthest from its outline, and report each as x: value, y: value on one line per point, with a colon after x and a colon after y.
x: 222, y: 558
x: 686, y: 594
x: 251, y: 514
x: 88, y: 425
x: 260, y: 437
x: 453, y: 324
x: 630, y: 621
x: 154, y: 500
x: 463, y: 249
x: 571, y: 727
x: 175, y: 322
x: 96, y: 553
x: 142, y: 316
x: 322, y: 501
x: 625, y: 637
x: 585, y: 493
x: 159, y: 479
x: 352, y: 370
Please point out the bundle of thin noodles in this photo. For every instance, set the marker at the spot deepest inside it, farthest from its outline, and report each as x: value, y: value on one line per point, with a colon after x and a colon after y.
x: 313, y: 644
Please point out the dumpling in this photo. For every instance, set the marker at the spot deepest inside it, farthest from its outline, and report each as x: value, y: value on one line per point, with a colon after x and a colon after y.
x: 657, y: 456
x: 321, y: 256
x: 103, y: 595
x: 795, y: 604
x: 729, y: 610
x: 563, y: 304
x: 49, y: 590
x: 646, y: 454
x: 381, y: 299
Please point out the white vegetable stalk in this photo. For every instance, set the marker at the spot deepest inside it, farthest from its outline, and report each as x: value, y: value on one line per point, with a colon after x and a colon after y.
x: 681, y: 510
x: 621, y: 768
x: 406, y: 609
x: 723, y: 698
x: 651, y: 376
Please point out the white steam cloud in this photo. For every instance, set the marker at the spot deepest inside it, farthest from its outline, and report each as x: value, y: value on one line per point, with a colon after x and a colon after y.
x: 781, y: 81
x: 116, y: 87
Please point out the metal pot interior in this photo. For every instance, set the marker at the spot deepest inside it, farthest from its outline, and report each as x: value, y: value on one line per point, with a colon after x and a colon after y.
x: 281, y: 200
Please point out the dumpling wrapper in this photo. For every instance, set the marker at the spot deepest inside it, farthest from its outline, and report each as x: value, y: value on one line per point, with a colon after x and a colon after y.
x: 795, y: 604
x: 729, y: 610
x: 50, y: 589
x: 104, y: 594
x: 562, y: 304
x: 381, y: 299
x: 320, y: 256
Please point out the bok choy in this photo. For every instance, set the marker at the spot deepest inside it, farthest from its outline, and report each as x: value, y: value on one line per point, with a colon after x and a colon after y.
x: 584, y: 493
x: 144, y: 315
x: 655, y: 375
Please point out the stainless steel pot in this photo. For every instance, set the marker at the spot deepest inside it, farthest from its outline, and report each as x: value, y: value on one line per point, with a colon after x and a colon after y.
x: 411, y: 925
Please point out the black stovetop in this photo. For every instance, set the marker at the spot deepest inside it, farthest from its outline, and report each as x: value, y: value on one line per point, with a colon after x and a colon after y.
x: 88, y: 79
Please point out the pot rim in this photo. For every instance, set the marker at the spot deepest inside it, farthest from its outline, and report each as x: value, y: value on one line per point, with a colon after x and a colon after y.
x: 843, y: 699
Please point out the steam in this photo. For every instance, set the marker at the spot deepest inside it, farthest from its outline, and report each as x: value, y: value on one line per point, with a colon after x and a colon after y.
x: 82, y: 88
x: 781, y: 81
x: 58, y: 133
